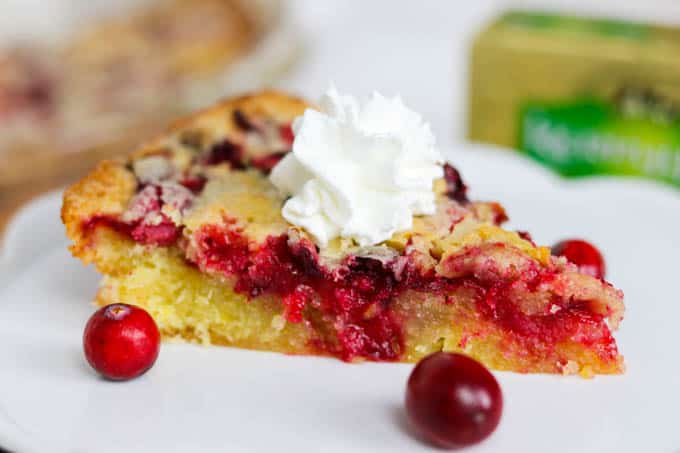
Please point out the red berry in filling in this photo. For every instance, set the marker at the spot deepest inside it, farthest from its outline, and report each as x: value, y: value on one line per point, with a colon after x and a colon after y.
x: 583, y: 254
x: 287, y: 134
x: 526, y: 236
x: 121, y: 341
x: 164, y: 233
x: 266, y: 163
x: 194, y: 183
x: 455, y: 187
x: 452, y: 400
x: 225, y: 151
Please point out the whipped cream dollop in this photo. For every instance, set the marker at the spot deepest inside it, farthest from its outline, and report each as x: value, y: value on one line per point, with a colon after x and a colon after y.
x: 358, y: 170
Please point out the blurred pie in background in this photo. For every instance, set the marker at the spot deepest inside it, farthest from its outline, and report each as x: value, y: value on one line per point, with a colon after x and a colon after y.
x: 119, y: 76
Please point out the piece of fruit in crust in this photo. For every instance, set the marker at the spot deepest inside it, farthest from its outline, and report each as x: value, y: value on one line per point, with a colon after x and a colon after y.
x: 190, y: 229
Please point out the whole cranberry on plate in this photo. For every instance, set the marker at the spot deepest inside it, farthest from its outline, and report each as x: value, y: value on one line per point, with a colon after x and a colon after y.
x: 121, y: 341
x: 583, y: 254
x: 452, y: 400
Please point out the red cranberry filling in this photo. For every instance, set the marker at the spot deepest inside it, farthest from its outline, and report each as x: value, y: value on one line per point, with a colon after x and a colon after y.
x: 526, y: 236
x: 236, y: 155
x: 356, y: 300
x: 108, y: 221
x: 144, y: 221
x: 223, y: 250
x: 355, y: 304
x: 165, y: 233
x: 455, y: 187
x: 194, y: 183
x: 287, y: 136
x: 225, y: 151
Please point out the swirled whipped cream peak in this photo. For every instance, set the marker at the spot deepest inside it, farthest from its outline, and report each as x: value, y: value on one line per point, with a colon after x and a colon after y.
x: 358, y: 170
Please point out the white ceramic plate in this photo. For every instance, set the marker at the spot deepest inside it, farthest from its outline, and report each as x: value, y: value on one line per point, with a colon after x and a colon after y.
x: 219, y: 399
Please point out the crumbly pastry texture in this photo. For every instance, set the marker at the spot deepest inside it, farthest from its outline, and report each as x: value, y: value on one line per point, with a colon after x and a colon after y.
x: 190, y: 228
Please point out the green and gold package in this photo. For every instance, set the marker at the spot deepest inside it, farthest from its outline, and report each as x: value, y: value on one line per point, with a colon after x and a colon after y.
x: 582, y: 96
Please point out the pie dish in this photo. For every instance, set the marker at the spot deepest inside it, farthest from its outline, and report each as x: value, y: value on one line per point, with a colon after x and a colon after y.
x: 189, y: 227
x: 114, y: 80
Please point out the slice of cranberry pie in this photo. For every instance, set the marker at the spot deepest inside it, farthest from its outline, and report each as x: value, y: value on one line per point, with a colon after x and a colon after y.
x: 191, y: 229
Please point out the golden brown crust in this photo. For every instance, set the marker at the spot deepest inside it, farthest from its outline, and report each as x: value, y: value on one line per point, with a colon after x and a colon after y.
x: 217, y: 121
x: 105, y: 191
x: 271, y: 103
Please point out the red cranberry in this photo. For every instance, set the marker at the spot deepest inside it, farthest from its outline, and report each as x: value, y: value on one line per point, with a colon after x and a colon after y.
x: 452, y: 400
x: 585, y: 255
x: 455, y: 187
x: 526, y: 236
x: 225, y: 151
x: 194, y: 183
x: 287, y: 135
x: 164, y: 234
x: 121, y: 341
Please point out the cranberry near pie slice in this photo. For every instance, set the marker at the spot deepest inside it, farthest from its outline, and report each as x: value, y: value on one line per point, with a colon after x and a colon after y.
x: 191, y: 228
